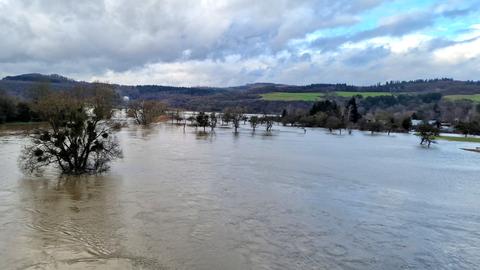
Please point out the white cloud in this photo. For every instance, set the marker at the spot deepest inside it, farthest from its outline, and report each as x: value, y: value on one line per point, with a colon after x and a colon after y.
x: 458, y: 53
x: 233, y: 70
x: 218, y: 43
x: 402, y: 44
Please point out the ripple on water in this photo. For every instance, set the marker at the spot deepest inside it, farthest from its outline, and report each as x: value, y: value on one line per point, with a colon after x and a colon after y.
x: 100, y: 263
x: 336, y: 250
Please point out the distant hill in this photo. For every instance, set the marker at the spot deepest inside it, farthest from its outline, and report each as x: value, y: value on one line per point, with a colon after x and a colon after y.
x: 37, y: 77
x: 21, y: 84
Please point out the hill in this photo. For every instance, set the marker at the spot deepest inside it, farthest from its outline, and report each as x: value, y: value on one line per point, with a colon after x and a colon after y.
x: 258, y: 97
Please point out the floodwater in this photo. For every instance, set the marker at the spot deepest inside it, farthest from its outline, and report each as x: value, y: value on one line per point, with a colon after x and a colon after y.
x: 287, y: 201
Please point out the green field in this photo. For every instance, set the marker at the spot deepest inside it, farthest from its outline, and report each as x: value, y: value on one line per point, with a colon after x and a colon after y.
x: 473, y: 97
x: 289, y: 96
x: 363, y: 94
x: 286, y: 96
x: 459, y: 139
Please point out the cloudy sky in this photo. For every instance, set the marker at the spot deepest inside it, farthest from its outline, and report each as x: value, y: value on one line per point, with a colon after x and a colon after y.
x: 233, y: 42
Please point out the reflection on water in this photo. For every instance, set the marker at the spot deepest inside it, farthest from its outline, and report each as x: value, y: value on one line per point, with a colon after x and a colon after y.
x: 285, y: 200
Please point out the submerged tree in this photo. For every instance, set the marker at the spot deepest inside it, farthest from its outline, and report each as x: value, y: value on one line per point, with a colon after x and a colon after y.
x: 375, y: 126
x: 268, y: 121
x: 146, y: 111
x: 254, y: 122
x: 226, y: 116
x: 391, y: 125
x: 213, y: 121
x: 427, y: 134
x: 235, y: 115
x: 407, y: 124
x: 334, y: 123
x: 78, y: 139
x: 244, y: 119
x: 202, y: 120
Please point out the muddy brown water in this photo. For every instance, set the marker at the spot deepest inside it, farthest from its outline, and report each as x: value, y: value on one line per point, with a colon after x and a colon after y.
x: 287, y: 201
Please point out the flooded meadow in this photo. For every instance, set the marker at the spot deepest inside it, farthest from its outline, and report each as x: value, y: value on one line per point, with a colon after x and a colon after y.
x: 286, y: 200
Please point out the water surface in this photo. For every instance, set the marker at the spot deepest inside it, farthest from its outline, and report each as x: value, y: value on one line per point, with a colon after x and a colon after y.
x: 287, y: 201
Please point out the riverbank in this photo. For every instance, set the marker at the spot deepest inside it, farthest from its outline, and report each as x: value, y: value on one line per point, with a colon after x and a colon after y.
x: 459, y: 139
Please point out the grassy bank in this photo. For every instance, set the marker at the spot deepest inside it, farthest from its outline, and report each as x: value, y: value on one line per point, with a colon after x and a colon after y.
x: 459, y: 139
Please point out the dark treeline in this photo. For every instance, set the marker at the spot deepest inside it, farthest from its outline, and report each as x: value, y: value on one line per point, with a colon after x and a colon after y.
x: 25, y: 109
x: 14, y: 110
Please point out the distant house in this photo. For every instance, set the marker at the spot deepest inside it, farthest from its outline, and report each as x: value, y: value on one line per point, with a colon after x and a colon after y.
x: 447, y: 127
x: 444, y: 126
x: 416, y: 123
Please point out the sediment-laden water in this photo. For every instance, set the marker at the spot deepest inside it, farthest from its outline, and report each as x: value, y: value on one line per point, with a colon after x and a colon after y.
x: 287, y: 201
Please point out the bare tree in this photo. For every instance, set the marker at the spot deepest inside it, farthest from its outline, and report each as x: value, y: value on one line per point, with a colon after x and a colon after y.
x: 427, y: 134
x: 254, y: 122
x: 78, y: 139
x: 146, y: 111
x: 334, y: 123
x: 268, y: 121
x: 213, y: 121
x: 226, y: 116
x: 244, y: 119
x: 236, y: 116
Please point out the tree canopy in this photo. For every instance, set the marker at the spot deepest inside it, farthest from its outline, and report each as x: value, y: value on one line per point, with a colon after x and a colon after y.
x: 79, y: 138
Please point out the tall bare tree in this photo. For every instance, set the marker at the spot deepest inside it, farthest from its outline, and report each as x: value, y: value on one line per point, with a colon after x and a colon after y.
x: 254, y: 122
x: 78, y: 138
x: 213, y: 121
x: 268, y: 121
x: 146, y: 111
x: 236, y: 115
x: 427, y: 134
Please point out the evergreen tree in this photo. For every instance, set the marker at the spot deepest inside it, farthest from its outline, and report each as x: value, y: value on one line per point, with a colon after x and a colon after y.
x: 352, y: 109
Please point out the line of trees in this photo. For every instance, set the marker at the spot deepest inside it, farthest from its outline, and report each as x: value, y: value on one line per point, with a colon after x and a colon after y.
x: 230, y: 117
x: 388, y: 116
x: 329, y: 114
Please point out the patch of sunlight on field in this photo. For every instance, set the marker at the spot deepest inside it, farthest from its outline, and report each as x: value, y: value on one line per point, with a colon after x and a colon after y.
x: 473, y: 97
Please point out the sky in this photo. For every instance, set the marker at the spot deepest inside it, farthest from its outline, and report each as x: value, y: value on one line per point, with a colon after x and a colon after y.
x: 236, y: 42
